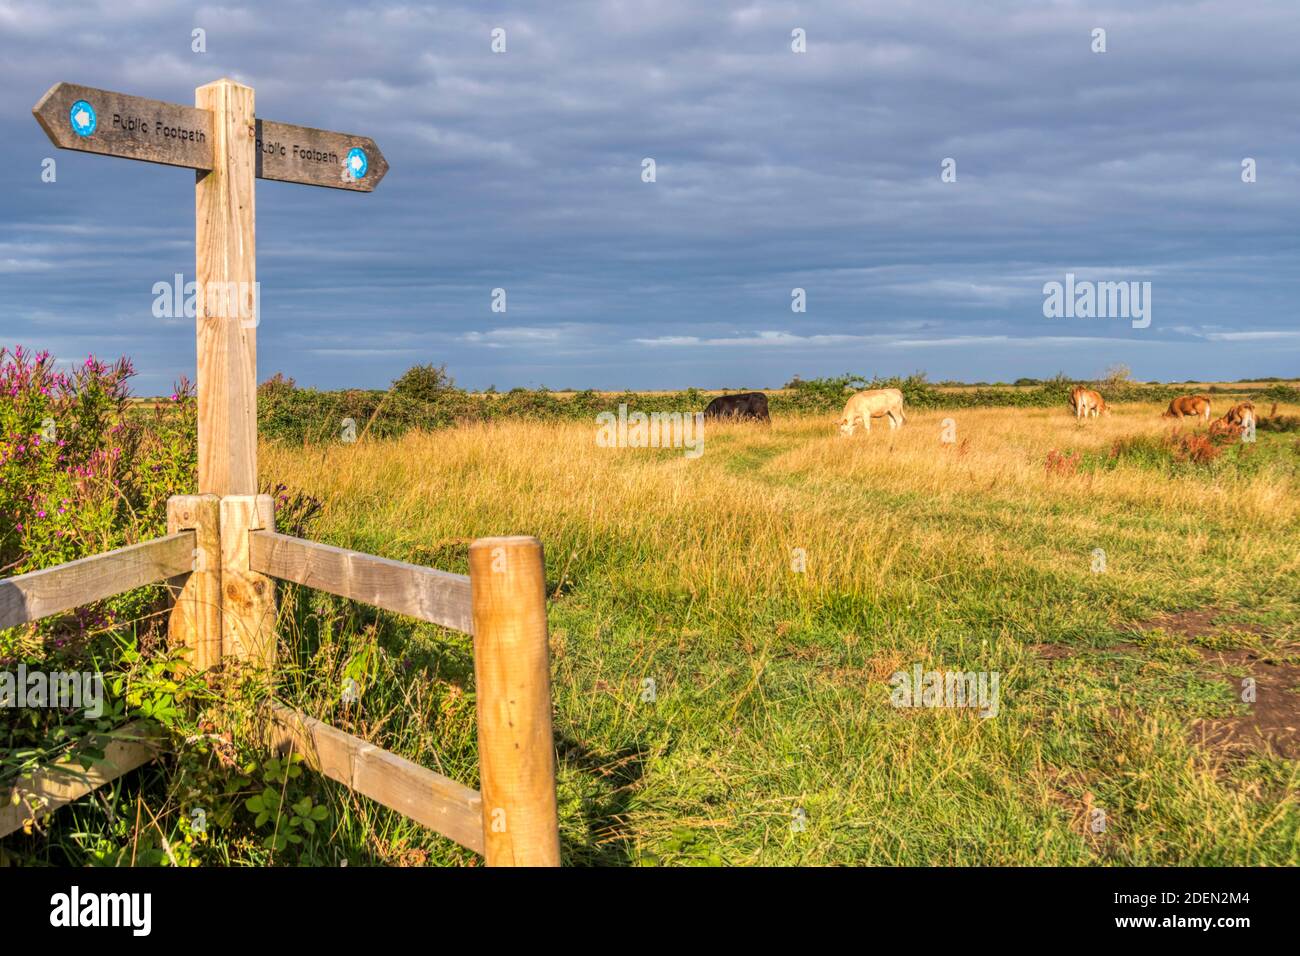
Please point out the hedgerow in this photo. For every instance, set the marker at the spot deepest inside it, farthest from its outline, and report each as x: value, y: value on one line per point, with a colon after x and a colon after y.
x: 426, y: 398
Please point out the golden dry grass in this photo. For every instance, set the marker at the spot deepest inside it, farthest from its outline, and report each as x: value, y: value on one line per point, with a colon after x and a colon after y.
x: 772, y: 684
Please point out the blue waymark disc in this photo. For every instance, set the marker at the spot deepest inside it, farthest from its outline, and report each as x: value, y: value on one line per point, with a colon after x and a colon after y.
x: 82, y: 117
x: 357, y: 162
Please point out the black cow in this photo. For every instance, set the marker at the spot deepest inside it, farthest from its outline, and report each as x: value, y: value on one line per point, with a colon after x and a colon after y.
x: 743, y: 407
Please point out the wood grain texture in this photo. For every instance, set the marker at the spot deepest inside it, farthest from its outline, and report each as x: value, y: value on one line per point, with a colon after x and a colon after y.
x: 37, y: 594
x: 131, y: 127
x: 131, y: 746
x: 422, y: 593
x: 512, y: 673
x: 316, y: 157
x: 428, y: 798
x: 225, y: 253
x: 247, y: 597
x: 195, y: 620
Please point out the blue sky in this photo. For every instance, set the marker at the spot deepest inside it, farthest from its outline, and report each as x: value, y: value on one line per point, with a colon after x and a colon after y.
x: 774, y: 170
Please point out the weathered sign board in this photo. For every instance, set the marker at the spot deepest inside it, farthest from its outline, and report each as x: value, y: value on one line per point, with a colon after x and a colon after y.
x: 114, y: 124
x: 318, y: 157
x: 132, y: 127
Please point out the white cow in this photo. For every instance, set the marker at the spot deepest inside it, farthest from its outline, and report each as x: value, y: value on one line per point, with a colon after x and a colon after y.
x: 873, y: 403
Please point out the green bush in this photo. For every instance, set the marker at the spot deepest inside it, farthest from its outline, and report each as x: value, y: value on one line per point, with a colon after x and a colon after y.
x: 1279, y: 392
x: 423, y: 383
x: 1278, y: 423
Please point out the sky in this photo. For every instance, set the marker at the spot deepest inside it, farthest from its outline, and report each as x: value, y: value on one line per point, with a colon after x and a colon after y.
x: 774, y: 170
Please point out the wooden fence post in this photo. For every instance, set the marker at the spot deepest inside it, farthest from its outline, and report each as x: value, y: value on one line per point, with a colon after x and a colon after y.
x: 512, y: 672
x: 247, y: 598
x: 226, y: 272
x: 195, y: 620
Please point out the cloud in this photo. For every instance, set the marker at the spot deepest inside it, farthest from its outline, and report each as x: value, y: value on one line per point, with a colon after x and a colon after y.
x: 775, y: 339
x: 1265, y: 335
x: 775, y: 170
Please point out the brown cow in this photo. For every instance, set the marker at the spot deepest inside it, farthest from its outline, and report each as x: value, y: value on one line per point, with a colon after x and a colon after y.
x: 1237, y: 423
x: 1243, y: 414
x: 1087, y: 402
x: 1194, y: 406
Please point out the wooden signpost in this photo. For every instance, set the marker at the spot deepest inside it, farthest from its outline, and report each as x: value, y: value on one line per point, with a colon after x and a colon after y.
x: 226, y: 603
x: 222, y: 138
x: 132, y: 127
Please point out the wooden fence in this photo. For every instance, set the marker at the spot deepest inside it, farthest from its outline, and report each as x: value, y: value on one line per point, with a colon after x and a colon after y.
x: 220, y: 567
x: 222, y: 553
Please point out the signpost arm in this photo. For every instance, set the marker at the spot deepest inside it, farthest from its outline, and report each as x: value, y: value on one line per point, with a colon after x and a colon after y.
x: 226, y: 271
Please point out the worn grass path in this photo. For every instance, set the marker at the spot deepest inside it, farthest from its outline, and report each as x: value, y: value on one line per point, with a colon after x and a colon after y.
x: 715, y: 705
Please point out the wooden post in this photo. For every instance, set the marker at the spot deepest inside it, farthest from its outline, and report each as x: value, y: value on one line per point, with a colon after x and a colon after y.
x: 512, y: 672
x: 226, y: 272
x: 226, y: 327
x: 247, y: 598
x: 195, y: 621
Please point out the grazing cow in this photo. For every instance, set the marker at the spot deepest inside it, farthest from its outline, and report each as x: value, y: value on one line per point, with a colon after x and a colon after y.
x: 1195, y: 406
x: 746, y: 406
x: 873, y: 403
x: 1087, y: 402
x: 1243, y: 414
x: 1239, y: 420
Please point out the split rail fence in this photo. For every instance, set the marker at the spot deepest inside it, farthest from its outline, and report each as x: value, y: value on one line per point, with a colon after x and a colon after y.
x: 220, y: 559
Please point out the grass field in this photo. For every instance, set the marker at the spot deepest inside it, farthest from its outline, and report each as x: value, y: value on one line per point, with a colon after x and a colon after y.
x: 768, y: 734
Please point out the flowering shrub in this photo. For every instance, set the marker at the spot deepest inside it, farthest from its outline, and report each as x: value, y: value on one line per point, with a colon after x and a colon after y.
x: 84, y: 469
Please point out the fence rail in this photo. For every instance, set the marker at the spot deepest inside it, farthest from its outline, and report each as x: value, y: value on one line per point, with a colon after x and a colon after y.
x: 30, y: 597
x: 128, y: 747
x: 438, y: 597
x: 429, y: 798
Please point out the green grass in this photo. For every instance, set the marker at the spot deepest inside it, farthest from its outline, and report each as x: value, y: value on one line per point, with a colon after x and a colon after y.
x: 772, y: 689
